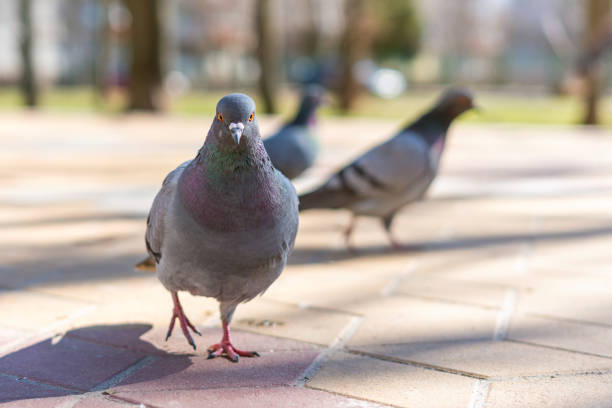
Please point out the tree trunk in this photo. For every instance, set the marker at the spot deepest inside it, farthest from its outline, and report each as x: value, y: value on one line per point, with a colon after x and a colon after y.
x: 101, y: 57
x: 596, y: 17
x: 353, y: 47
x: 145, y: 65
x: 28, y: 78
x: 267, y: 53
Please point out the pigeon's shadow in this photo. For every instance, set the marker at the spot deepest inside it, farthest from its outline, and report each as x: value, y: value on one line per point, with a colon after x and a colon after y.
x: 302, y: 256
x: 311, y: 255
x: 81, y: 360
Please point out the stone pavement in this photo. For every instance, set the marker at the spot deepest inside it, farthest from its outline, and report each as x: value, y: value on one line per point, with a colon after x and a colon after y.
x: 502, y: 299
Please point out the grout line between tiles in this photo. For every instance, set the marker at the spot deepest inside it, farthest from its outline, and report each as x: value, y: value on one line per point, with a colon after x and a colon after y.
x: 479, y: 394
x: 343, y: 337
x: 392, y: 286
x: 116, y: 379
x: 504, y: 316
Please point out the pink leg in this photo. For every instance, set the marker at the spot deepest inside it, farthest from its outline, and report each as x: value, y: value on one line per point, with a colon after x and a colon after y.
x: 185, y: 323
x: 349, y: 231
x: 395, y: 244
x: 225, y: 347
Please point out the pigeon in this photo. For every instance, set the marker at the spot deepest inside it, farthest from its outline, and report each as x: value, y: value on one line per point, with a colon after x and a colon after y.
x: 223, y: 223
x: 393, y: 174
x: 293, y: 148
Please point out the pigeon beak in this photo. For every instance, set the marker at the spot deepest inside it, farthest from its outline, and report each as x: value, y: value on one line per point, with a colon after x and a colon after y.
x: 236, y: 129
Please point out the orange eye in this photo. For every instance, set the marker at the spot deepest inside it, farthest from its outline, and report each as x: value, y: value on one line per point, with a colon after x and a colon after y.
x: 251, y: 117
x: 220, y: 117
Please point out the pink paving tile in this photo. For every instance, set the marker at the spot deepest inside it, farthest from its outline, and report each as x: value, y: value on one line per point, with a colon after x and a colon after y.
x: 151, y: 340
x: 120, y: 335
x: 71, y: 363
x: 102, y: 401
x: 281, y: 397
x: 242, y: 339
x: 50, y: 402
x: 187, y: 372
x: 23, y: 393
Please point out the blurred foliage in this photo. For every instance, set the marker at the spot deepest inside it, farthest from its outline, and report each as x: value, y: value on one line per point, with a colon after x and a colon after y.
x: 398, y: 28
x: 496, y: 107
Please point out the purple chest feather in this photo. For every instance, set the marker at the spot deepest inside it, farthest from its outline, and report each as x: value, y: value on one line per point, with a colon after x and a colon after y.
x: 247, y: 202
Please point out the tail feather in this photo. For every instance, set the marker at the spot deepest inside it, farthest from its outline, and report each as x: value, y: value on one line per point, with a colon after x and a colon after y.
x: 324, y: 198
x: 146, y: 265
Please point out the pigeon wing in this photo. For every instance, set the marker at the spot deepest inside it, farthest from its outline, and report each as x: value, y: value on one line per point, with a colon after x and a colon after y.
x: 154, y: 235
x: 387, y: 169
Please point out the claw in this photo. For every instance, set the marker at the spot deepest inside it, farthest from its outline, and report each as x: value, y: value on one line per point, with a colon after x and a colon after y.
x: 227, y: 349
x: 177, y: 312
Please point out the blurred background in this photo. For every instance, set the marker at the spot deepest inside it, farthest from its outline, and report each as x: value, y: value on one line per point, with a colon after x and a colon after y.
x: 532, y: 61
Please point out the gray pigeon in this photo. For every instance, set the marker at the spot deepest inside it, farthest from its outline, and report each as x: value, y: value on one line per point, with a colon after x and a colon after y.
x: 293, y: 149
x: 398, y: 172
x: 223, y: 224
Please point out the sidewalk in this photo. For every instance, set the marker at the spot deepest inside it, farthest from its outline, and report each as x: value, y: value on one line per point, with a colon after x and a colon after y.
x: 502, y: 300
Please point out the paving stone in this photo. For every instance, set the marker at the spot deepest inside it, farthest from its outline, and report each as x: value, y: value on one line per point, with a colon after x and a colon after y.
x: 48, y: 402
x: 476, y: 260
x: 187, y: 372
x: 139, y: 286
x: 147, y: 301
x: 9, y: 335
x: 580, y: 298
x: 593, y: 391
x: 24, y: 393
x: 36, y: 311
x: 280, y: 397
x: 577, y: 336
x: 68, y: 232
x: 104, y: 401
x: 72, y: 265
x: 271, y: 318
x: 489, y: 358
x: 583, y: 247
x: 151, y: 340
x: 453, y: 290
x: 532, y: 219
x: 334, y: 286
x: 68, y: 362
x: 392, y: 383
x: 406, y: 320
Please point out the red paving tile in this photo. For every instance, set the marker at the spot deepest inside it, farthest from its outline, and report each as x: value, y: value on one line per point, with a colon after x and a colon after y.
x: 281, y: 397
x: 186, y: 372
x: 70, y: 362
x: 151, y: 340
x: 23, y: 394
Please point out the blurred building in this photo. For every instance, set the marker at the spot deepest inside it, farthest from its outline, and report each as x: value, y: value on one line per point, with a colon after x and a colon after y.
x: 211, y: 43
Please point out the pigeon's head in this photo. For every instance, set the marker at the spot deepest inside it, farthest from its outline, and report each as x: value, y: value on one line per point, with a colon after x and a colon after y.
x: 235, y: 118
x: 455, y: 101
x: 313, y: 95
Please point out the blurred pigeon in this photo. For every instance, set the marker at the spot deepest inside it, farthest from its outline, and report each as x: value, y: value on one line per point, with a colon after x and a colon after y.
x: 223, y: 224
x: 293, y: 148
x: 391, y: 175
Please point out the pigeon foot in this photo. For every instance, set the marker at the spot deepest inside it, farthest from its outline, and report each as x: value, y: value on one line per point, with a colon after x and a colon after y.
x: 183, y: 320
x: 398, y: 246
x: 226, y: 349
